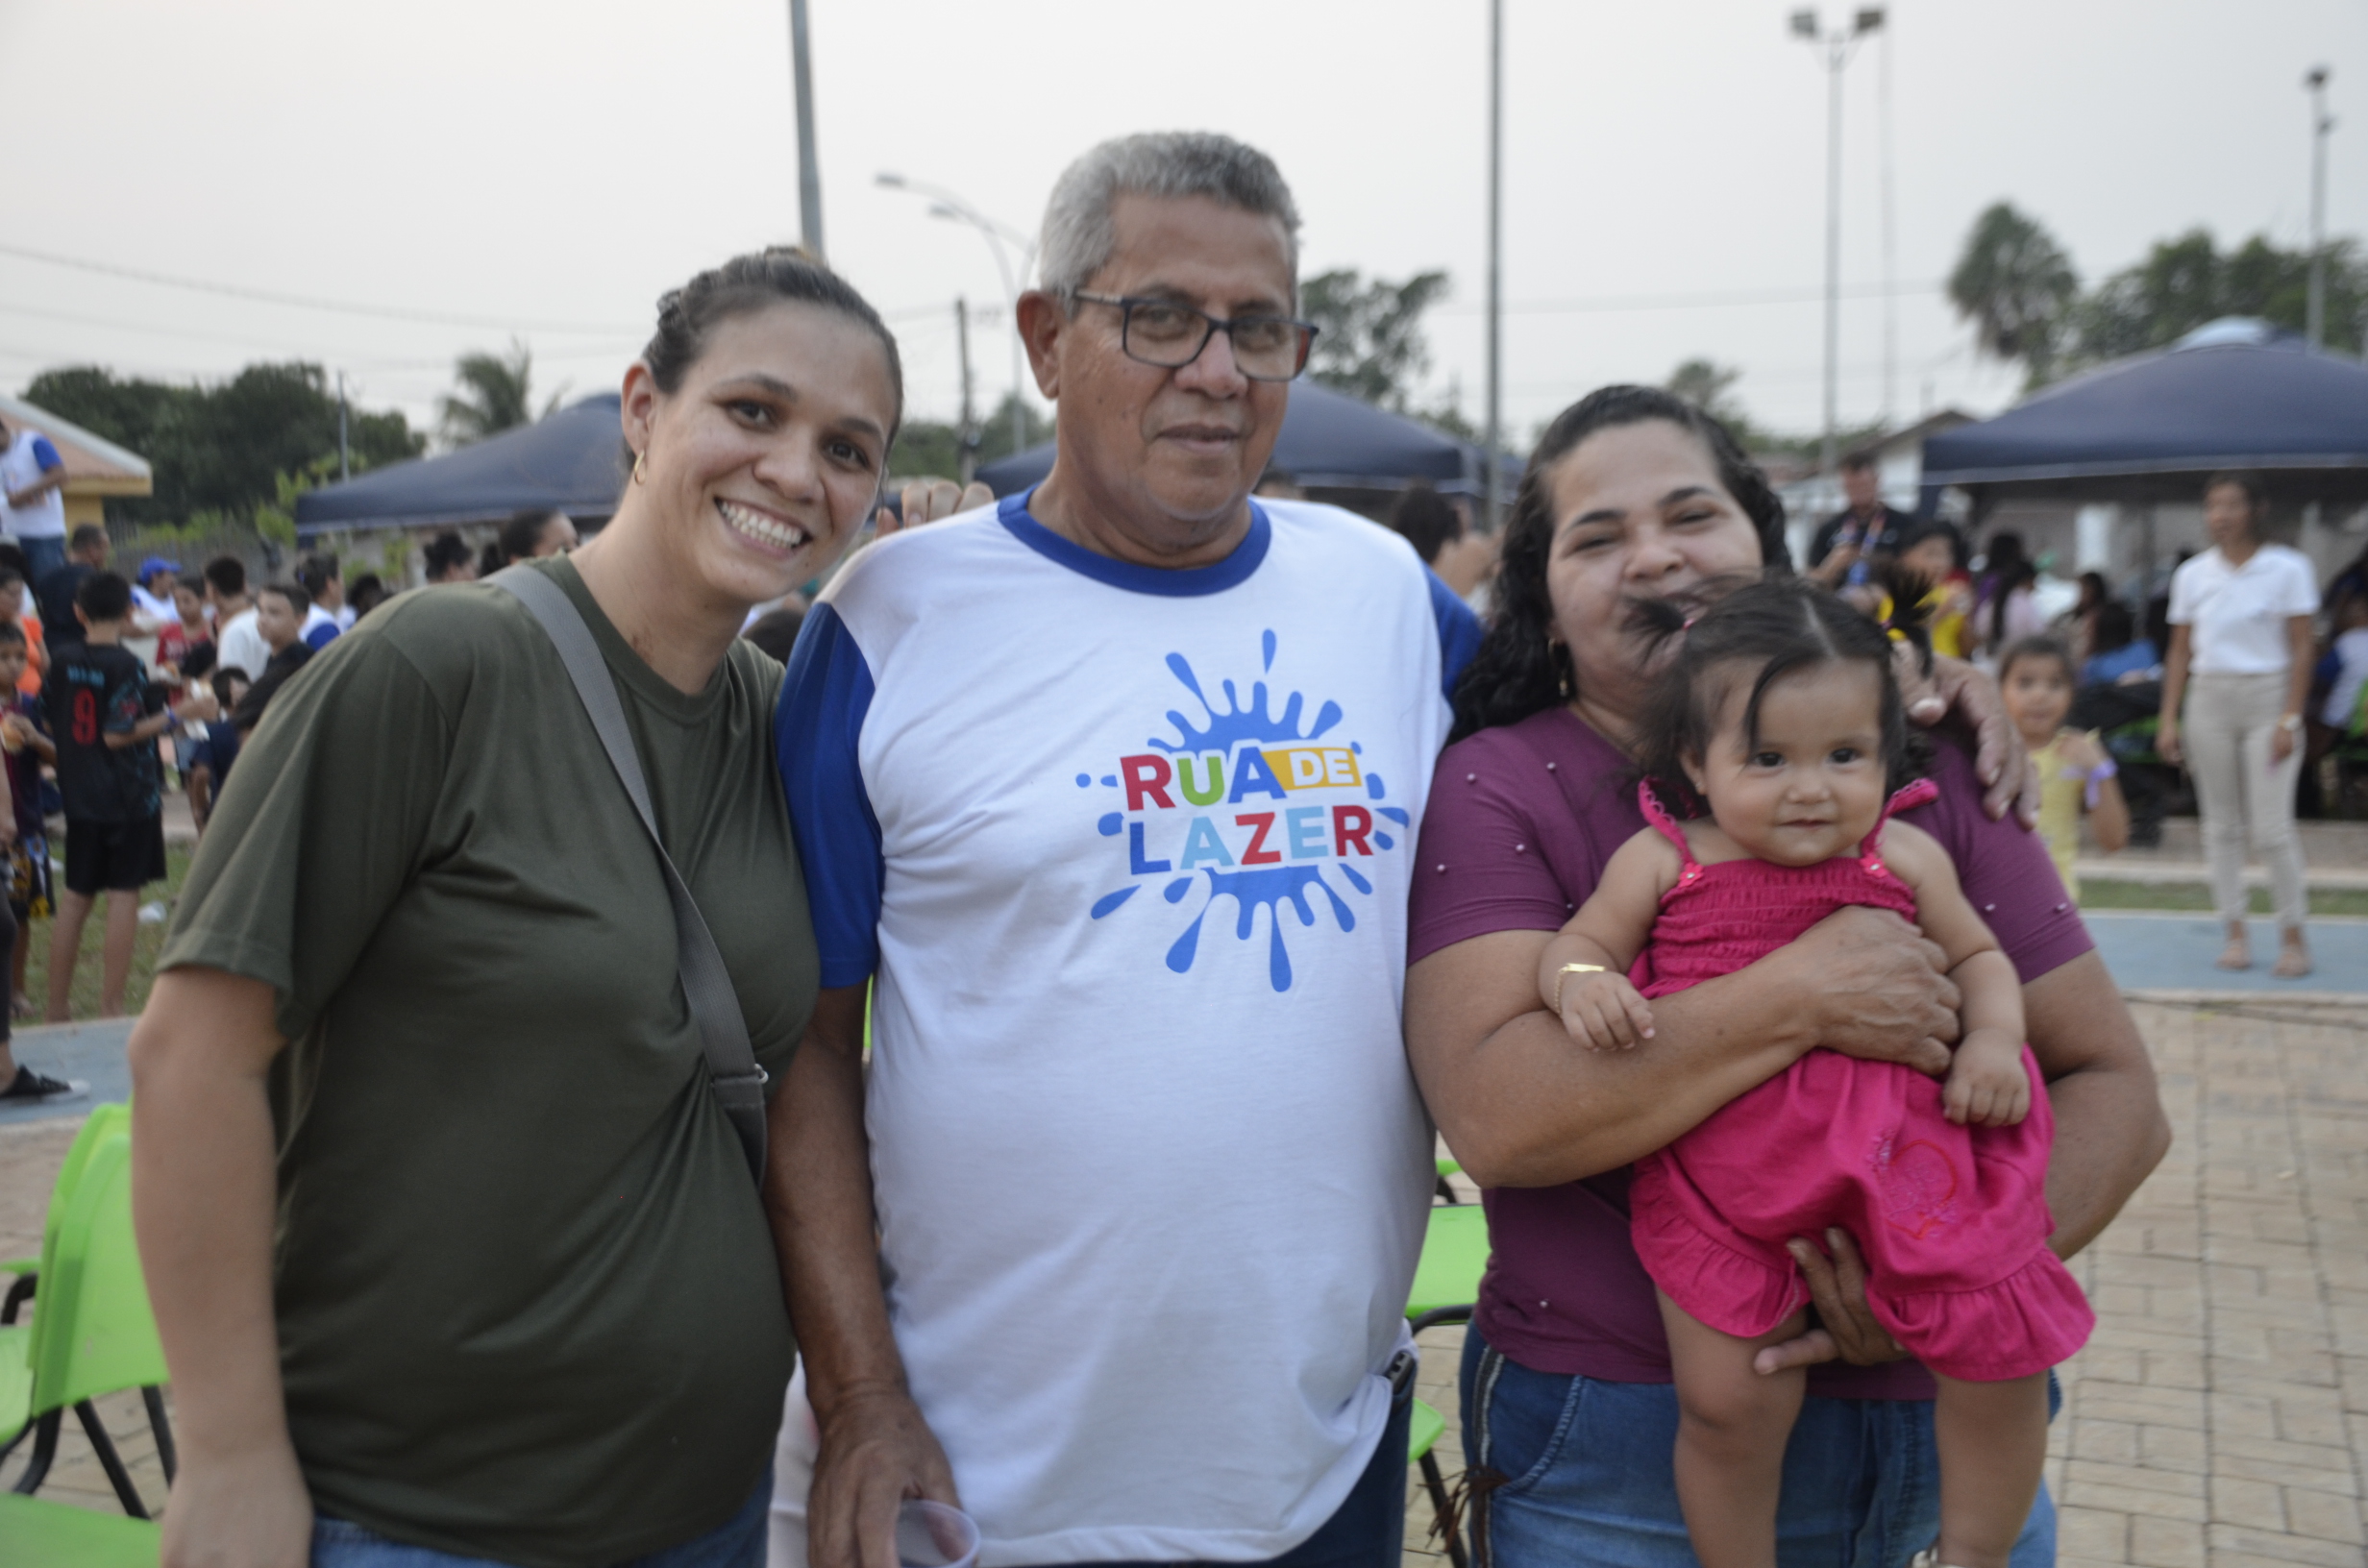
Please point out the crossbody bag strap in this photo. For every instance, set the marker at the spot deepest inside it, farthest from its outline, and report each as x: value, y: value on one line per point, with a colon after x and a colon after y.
x: 738, y: 1082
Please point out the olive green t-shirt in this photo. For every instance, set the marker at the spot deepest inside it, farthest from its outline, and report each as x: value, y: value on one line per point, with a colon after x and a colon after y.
x: 527, y: 1303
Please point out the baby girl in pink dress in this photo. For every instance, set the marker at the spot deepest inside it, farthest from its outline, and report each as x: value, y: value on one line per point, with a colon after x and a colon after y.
x: 1780, y: 712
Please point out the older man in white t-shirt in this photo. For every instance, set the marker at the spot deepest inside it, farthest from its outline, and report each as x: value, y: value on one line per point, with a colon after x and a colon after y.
x: 1109, y: 792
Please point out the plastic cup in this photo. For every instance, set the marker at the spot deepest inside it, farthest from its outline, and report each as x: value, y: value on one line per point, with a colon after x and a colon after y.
x: 932, y: 1535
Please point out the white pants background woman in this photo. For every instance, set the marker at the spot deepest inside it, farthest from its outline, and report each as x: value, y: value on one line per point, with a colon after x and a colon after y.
x: 2241, y: 630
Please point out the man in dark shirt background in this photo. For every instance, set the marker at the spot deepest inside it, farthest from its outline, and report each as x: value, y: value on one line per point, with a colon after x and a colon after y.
x: 56, y: 595
x: 1862, y: 531
x: 104, y: 725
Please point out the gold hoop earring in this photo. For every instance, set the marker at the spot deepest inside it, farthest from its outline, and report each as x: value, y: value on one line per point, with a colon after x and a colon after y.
x: 640, y: 458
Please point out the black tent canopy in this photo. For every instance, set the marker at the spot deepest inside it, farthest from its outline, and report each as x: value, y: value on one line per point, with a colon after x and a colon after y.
x: 2237, y: 393
x: 572, y: 462
x: 1328, y: 440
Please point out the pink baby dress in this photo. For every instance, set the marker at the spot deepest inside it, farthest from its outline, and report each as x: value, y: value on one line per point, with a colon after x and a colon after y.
x: 1952, y: 1222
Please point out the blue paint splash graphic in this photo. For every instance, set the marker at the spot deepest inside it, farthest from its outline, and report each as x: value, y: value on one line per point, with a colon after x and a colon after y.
x: 1272, y: 888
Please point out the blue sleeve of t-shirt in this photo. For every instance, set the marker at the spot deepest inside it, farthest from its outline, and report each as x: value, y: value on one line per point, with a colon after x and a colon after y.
x: 321, y: 636
x: 824, y: 697
x: 45, y: 454
x: 1459, y: 632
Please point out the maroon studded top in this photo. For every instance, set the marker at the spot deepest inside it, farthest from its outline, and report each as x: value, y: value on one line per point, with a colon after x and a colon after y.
x: 1521, y: 821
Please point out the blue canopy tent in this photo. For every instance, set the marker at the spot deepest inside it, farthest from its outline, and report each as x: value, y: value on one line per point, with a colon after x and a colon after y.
x: 2234, y: 394
x: 572, y: 462
x: 1329, y: 441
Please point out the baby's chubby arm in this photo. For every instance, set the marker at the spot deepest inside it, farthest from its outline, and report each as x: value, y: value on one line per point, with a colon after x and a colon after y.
x: 1602, y: 1009
x: 1987, y: 1082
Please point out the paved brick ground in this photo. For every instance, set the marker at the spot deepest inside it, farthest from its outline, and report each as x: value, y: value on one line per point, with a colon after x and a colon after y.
x: 2216, y: 1420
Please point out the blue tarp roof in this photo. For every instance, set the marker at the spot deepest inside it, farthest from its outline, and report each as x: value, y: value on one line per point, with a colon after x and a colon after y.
x: 1328, y: 439
x: 2234, y: 394
x: 571, y: 461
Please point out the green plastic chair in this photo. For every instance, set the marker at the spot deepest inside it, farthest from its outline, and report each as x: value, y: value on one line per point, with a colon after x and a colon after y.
x: 16, y: 1339
x: 39, y: 1534
x: 1455, y: 1253
x: 92, y: 1333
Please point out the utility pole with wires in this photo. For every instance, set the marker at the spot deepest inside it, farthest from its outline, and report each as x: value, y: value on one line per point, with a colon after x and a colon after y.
x: 2321, y: 123
x: 1493, y: 479
x: 968, y: 439
x: 809, y: 171
x: 345, y: 465
x: 1890, y: 234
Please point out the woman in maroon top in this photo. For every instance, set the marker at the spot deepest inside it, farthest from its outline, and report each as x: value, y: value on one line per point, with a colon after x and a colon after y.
x: 1569, y: 1416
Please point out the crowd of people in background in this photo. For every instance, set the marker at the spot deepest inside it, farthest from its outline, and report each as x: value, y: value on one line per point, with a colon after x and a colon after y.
x: 86, y: 721
x: 2232, y: 664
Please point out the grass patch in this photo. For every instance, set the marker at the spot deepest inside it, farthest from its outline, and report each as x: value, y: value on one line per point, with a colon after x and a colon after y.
x: 144, y: 946
x: 2106, y: 893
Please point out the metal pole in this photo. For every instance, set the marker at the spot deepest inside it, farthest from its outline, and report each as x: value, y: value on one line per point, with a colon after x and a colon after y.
x: 1496, y: 205
x: 810, y: 172
x: 1833, y: 51
x: 345, y: 466
x: 2315, y: 328
x: 1890, y: 242
x: 968, y: 457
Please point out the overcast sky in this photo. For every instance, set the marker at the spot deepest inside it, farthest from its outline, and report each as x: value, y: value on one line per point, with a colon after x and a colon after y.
x: 480, y: 169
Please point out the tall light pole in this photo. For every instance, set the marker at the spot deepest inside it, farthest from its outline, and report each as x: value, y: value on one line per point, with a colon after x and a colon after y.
x: 1495, y: 477
x: 2321, y: 123
x: 1890, y: 234
x: 809, y: 171
x: 1834, y: 46
x: 945, y: 204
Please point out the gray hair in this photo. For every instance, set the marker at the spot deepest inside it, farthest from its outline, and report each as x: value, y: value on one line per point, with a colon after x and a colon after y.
x: 1079, y: 233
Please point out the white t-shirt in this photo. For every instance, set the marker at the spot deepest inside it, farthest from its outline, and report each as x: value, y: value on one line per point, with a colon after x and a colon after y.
x: 242, y: 647
x: 320, y: 629
x: 1128, y: 853
x: 28, y: 457
x: 2236, y: 616
x: 2352, y: 673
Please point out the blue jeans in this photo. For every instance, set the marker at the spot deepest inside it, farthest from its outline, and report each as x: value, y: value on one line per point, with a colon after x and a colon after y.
x: 43, y: 556
x: 738, y: 1543
x: 1590, y: 1478
x: 1368, y: 1529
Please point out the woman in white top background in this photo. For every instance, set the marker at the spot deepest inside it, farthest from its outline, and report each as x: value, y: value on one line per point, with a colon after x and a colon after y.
x: 2241, y: 636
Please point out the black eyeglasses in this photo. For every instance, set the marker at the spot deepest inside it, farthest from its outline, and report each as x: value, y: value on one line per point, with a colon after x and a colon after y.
x: 1171, y: 335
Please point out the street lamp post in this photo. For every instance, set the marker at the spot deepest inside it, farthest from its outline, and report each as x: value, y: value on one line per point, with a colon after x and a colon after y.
x: 1836, y: 48
x: 945, y: 204
x: 809, y: 168
x: 2321, y: 123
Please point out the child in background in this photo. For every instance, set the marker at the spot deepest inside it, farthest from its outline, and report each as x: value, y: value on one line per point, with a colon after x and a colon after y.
x: 2075, y: 774
x: 2344, y: 713
x: 212, y: 746
x: 26, y: 743
x: 1936, y: 551
x: 1781, y: 711
x: 104, y: 728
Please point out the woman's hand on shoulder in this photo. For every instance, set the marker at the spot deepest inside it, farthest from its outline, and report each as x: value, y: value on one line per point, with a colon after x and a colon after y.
x: 2000, y: 760
x: 926, y: 500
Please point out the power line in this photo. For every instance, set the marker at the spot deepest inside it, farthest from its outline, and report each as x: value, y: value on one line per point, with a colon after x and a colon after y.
x: 1689, y: 302
x: 303, y: 302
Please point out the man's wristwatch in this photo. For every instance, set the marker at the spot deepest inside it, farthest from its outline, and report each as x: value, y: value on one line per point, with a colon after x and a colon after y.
x: 2290, y: 722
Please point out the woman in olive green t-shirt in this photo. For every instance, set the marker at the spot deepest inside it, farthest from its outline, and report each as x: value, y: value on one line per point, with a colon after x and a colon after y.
x: 448, y: 1241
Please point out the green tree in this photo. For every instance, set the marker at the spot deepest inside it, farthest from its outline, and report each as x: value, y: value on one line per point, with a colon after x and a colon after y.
x: 220, y: 450
x: 491, y: 393
x: 2018, y: 287
x: 1368, y: 340
x: 2186, y: 281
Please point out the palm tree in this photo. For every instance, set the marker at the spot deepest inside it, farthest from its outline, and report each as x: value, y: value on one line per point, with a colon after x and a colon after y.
x: 2018, y: 287
x: 492, y: 393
